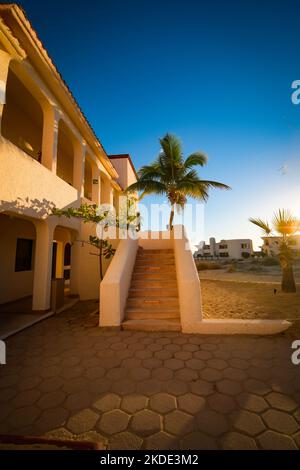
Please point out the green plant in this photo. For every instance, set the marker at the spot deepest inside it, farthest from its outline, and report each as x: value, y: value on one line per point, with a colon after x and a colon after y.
x: 172, y: 175
x: 285, y: 225
x: 91, y: 213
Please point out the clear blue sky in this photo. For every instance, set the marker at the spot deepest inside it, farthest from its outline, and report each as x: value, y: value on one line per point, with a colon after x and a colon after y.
x: 218, y: 74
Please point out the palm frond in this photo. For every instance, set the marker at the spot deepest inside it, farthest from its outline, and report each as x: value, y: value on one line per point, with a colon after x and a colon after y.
x: 261, y: 224
x: 197, y: 158
x: 285, y: 223
x: 147, y: 187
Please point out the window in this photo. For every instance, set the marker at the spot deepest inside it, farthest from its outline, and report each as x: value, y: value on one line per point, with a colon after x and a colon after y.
x: 224, y: 255
x: 244, y: 245
x: 223, y: 246
x: 24, y: 255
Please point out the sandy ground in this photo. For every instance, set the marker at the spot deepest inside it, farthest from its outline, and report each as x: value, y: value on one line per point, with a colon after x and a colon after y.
x: 232, y: 299
x: 269, y: 275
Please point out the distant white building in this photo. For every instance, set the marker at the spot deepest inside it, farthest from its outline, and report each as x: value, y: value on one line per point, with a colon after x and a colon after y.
x: 271, y: 244
x: 230, y: 249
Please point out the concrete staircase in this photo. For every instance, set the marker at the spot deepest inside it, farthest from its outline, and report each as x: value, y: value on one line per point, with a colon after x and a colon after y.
x: 152, y: 302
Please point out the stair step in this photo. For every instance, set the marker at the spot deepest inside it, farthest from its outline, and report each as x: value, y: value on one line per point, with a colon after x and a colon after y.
x: 155, y: 262
x: 155, y: 252
x: 155, y: 283
x: 155, y: 256
x: 151, y: 325
x: 153, y: 292
x: 142, y: 314
x: 153, y: 276
x: 157, y: 268
x: 153, y: 302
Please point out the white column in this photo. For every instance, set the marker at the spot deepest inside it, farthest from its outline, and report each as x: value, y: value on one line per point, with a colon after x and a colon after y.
x: 5, y: 59
x: 78, y: 170
x: 96, y: 185
x: 42, y: 266
x: 50, y: 136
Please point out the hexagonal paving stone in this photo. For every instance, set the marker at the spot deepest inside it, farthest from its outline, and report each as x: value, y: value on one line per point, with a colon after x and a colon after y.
x: 175, y: 387
x: 140, y: 373
x: 149, y: 387
x: 95, y: 372
x: 163, y: 354
x: 124, y: 387
x: 237, y: 441
x: 179, y: 423
x: 108, y: 402
x: 52, y: 418
x: 252, y: 402
x: 152, y: 363
x: 28, y: 383
x: 195, y: 364
x: 281, y: 402
x: 257, y: 387
x: 280, y: 421
x: 134, y: 403
x: 125, y: 441
x: 212, y: 423
x: 51, y: 384
x: 221, y: 403
x: 162, y: 403
x: 161, y: 441
x: 210, y: 375
x: 229, y: 387
x: 162, y: 373
x: 198, y: 441
x: 248, y: 423
x: 113, y: 422
x: 24, y: 416
x: 26, y: 398
x: 145, y: 423
x: 51, y: 399
x: 77, y: 401
x: 186, y: 375
x: 202, y: 388
x: 117, y: 373
x: 218, y: 364
x: 234, y: 374
x: 271, y: 440
x: 190, y: 403
x: 83, y: 421
x: 174, y: 364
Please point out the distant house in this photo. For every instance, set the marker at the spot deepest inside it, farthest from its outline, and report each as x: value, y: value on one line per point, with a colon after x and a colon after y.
x: 230, y: 249
x: 271, y: 245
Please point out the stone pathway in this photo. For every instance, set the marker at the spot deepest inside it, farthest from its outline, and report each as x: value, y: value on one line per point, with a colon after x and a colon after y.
x: 134, y: 390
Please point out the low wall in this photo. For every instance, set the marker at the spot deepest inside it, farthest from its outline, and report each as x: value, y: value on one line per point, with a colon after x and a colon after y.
x: 116, y: 283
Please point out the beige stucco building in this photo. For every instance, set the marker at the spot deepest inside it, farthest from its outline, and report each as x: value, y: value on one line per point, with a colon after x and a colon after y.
x: 228, y: 249
x: 271, y: 245
x: 49, y: 156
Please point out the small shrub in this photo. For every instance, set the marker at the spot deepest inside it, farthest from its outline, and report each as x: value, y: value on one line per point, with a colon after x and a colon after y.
x: 231, y: 268
x: 270, y: 261
x: 204, y: 265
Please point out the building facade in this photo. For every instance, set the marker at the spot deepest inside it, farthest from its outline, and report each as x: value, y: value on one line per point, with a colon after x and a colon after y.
x: 227, y: 249
x: 271, y: 245
x: 49, y: 157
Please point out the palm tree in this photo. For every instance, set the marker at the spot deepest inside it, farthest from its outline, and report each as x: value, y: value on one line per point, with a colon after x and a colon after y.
x: 172, y: 175
x: 286, y: 225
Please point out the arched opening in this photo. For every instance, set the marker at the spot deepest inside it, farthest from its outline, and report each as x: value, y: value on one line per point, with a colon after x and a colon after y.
x: 88, y: 179
x: 65, y: 153
x: 22, y: 120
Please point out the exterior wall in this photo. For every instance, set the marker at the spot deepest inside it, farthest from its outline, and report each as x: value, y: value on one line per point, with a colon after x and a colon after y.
x: 44, y: 142
x: 271, y: 245
x: 14, y: 285
x: 233, y: 249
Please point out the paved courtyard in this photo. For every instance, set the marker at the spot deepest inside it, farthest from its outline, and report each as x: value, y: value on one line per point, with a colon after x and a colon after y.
x: 135, y: 390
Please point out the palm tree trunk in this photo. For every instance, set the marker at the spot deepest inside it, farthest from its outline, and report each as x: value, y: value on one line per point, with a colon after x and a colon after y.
x: 288, y: 281
x: 171, y: 218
